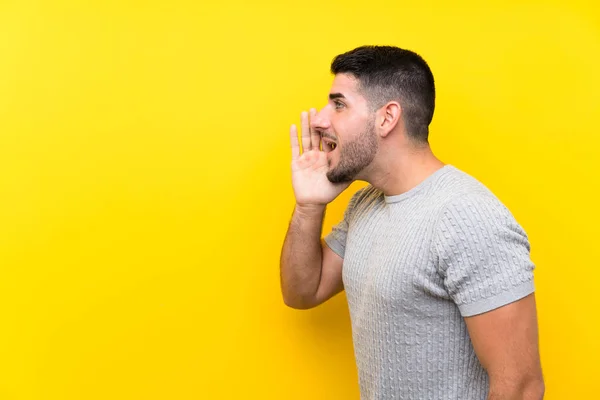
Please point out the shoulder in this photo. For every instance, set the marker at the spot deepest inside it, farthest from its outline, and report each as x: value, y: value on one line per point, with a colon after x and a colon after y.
x: 472, y: 207
x: 365, y: 196
x: 362, y: 202
x: 468, y: 194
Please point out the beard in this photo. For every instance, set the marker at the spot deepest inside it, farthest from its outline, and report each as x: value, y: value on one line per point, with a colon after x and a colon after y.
x: 355, y: 156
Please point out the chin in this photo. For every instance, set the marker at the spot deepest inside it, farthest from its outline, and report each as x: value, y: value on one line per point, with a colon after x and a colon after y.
x: 338, y: 178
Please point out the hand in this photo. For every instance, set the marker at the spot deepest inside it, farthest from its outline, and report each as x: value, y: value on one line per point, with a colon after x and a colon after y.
x: 309, y: 170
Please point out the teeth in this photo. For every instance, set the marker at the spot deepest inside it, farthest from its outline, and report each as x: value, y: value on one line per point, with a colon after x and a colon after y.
x: 332, y: 146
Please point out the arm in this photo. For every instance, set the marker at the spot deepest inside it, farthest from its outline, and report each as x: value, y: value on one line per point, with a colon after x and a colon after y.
x: 506, y: 343
x: 310, y: 272
x: 485, y: 261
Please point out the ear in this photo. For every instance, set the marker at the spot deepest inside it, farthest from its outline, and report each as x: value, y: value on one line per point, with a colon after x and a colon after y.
x: 388, y: 117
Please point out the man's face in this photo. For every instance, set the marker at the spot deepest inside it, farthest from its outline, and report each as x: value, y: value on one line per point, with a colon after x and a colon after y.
x: 348, y: 131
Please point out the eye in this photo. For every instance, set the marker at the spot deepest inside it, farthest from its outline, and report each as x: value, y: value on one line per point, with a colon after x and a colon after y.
x: 338, y: 105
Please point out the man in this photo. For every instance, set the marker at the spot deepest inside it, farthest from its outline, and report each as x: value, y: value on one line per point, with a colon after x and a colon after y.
x: 436, y: 270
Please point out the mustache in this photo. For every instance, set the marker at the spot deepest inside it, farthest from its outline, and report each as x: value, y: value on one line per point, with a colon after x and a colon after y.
x: 327, y: 135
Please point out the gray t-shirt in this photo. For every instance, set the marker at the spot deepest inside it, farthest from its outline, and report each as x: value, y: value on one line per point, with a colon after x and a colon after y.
x: 414, y: 265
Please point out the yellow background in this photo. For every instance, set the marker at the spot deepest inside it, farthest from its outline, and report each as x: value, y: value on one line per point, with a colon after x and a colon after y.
x: 145, y: 187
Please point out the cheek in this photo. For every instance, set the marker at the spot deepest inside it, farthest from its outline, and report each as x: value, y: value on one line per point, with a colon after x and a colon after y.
x: 347, y: 127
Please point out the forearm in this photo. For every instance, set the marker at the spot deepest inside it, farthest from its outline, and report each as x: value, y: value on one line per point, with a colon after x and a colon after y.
x: 301, y: 256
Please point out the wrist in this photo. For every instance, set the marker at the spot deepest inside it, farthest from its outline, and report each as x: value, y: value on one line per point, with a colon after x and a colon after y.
x: 310, y: 210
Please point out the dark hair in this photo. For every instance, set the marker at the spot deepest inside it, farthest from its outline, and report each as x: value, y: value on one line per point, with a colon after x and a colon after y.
x: 387, y: 73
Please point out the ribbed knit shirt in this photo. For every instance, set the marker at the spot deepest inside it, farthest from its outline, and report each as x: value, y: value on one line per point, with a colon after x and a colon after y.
x: 416, y: 264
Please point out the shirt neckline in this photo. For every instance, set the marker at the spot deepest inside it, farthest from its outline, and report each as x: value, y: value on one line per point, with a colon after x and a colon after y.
x: 424, y: 183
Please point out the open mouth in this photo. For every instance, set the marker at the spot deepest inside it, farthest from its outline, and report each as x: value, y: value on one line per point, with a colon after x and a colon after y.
x: 329, y: 146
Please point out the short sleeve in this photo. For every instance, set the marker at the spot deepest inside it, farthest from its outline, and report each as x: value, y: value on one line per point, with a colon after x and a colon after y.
x: 484, y: 254
x: 336, y: 239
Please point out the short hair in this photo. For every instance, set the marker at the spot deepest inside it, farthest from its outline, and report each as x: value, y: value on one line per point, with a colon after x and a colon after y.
x: 388, y: 73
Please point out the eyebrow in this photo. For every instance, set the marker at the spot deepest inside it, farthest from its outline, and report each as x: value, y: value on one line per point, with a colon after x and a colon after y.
x: 336, y: 96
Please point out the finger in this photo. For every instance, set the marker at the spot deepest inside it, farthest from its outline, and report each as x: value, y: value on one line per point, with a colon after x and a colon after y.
x: 294, y: 142
x: 305, y: 132
x: 315, y: 137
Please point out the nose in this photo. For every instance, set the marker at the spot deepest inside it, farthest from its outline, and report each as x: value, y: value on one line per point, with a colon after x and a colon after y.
x: 320, y: 121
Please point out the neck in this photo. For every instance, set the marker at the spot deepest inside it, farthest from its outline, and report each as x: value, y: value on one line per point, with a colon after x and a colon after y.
x: 398, y: 172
